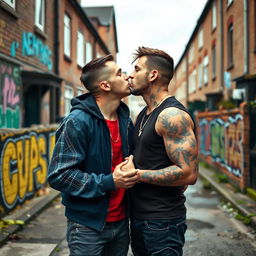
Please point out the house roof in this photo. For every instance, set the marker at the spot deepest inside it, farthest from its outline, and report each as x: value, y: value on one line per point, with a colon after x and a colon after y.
x: 105, y: 16
x: 103, y: 13
x: 90, y: 26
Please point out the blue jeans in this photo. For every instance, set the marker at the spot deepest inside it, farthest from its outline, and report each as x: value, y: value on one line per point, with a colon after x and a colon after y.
x: 84, y: 241
x: 158, y: 237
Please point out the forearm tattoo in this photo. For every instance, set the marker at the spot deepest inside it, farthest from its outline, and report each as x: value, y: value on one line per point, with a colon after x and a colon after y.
x: 181, y: 148
x: 163, y: 177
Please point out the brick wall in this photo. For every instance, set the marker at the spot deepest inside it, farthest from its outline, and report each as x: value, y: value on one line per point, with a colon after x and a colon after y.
x: 18, y: 26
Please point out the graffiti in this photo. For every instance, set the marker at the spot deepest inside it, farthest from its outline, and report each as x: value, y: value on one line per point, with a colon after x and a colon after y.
x: 2, y: 26
x: 11, y: 118
x: 24, y: 161
x: 32, y: 46
x: 10, y: 96
x: 221, y: 139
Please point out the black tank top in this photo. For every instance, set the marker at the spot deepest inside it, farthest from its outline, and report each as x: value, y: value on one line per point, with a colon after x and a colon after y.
x: 152, y: 201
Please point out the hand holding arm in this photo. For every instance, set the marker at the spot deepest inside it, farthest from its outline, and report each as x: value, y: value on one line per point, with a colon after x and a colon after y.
x: 127, y: 178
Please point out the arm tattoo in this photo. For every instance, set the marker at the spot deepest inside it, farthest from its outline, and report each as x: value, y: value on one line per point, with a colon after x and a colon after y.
x: 163, y: 177
x: 176, y: 156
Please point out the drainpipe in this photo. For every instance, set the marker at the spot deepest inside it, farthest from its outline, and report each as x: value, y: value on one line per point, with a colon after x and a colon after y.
x: 56, y: 36
x: 221, y: 44
x: 246, y: 38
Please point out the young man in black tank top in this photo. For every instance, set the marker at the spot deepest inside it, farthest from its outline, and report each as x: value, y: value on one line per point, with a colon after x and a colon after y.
x: 165, y: 156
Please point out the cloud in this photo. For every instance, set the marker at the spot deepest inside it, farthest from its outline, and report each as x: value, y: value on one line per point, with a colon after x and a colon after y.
x: 163, y: 24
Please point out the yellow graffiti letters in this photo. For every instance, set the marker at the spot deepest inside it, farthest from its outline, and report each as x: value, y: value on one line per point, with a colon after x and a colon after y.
x: 9, y: 176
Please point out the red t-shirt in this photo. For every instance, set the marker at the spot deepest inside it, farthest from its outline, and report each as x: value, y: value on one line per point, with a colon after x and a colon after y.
x: 116, y: 209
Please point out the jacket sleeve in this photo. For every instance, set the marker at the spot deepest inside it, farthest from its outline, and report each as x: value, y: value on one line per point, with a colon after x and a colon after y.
x: 130, y: 137
x: 64, y: 173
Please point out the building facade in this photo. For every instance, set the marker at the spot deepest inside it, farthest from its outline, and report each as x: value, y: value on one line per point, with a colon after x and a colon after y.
x: 218, y: 64
x: 43, y: 47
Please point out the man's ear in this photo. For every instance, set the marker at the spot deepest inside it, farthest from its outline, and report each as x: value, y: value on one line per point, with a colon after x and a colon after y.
x: 105, y: 86
x: 153, y: 75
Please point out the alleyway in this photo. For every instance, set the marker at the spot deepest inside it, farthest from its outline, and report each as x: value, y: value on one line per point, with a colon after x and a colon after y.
x: 210, y: 231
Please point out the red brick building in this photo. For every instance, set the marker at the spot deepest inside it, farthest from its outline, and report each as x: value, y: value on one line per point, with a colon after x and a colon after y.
x: 218, y: 63
x: 43, y: 46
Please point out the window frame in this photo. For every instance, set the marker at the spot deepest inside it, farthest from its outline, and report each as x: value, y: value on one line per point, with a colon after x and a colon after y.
x: 200, y: 76
x: 37, y: 14
x: 214, y: 62
x: 70, y: 36
x: 67, y: 100
x: 88, y: 57
x: 205, y: 70
x: 230, y: 45
x: 229, y: 2
x: 9, y: 3
x: 200, y: 39
x: 80, y: 49
x: 214, y: 15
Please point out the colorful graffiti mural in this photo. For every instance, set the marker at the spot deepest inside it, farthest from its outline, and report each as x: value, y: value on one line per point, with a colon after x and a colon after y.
x: 221, y: 139
x: 10, y: 95
x: 24, y: 161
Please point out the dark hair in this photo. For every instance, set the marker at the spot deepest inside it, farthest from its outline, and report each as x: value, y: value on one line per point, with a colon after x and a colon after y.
x: 157, y: 59
x: 91, y: 72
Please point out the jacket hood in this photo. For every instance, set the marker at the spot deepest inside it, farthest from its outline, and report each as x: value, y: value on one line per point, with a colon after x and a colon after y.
x: 86, y: 102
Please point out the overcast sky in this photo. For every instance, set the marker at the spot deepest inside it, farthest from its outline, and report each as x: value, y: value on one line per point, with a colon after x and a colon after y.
x: 162, y: 24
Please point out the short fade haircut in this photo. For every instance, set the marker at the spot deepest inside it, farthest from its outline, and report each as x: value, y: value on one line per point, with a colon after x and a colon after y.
x: 91, y: 72
x: 157, y: 59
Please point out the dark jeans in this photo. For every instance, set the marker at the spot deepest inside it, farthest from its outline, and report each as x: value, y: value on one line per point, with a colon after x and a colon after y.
x: 112, y: 241
x: 158, y: 237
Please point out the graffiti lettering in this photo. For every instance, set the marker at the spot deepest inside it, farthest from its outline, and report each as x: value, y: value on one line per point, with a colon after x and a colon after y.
x: 24, y: 164
x: 9, y: 93
x: 32, y: 46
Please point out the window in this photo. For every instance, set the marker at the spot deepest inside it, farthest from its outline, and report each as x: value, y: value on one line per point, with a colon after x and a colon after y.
x: 192, y: 82
x: 230, y: 45
x: 98, y: 55
x: 205, y: 67
x: 67, y: 35
x: 40, y: 13
x: 191, y: 55
x: 200, y: 39
x: 200, y: 75
x: 214, y: 61
x: 229, y: 2
x: 88, y: 54
x: 80, y: 49
x: 10, y: 3
x: 214, y: 16
x: 68, y: 95
x: 181, y: 91
x: 79, y: 91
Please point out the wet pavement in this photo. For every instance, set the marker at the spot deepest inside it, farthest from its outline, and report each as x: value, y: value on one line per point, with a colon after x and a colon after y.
x: 211, y: 231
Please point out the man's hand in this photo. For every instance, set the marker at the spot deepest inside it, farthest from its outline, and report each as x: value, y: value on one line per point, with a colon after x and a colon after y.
x: 129, y: 166
x: 125, y: 179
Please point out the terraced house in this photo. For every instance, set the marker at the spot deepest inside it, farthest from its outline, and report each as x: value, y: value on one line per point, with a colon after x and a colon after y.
x: 43, y: 47
x: 217, y: 75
